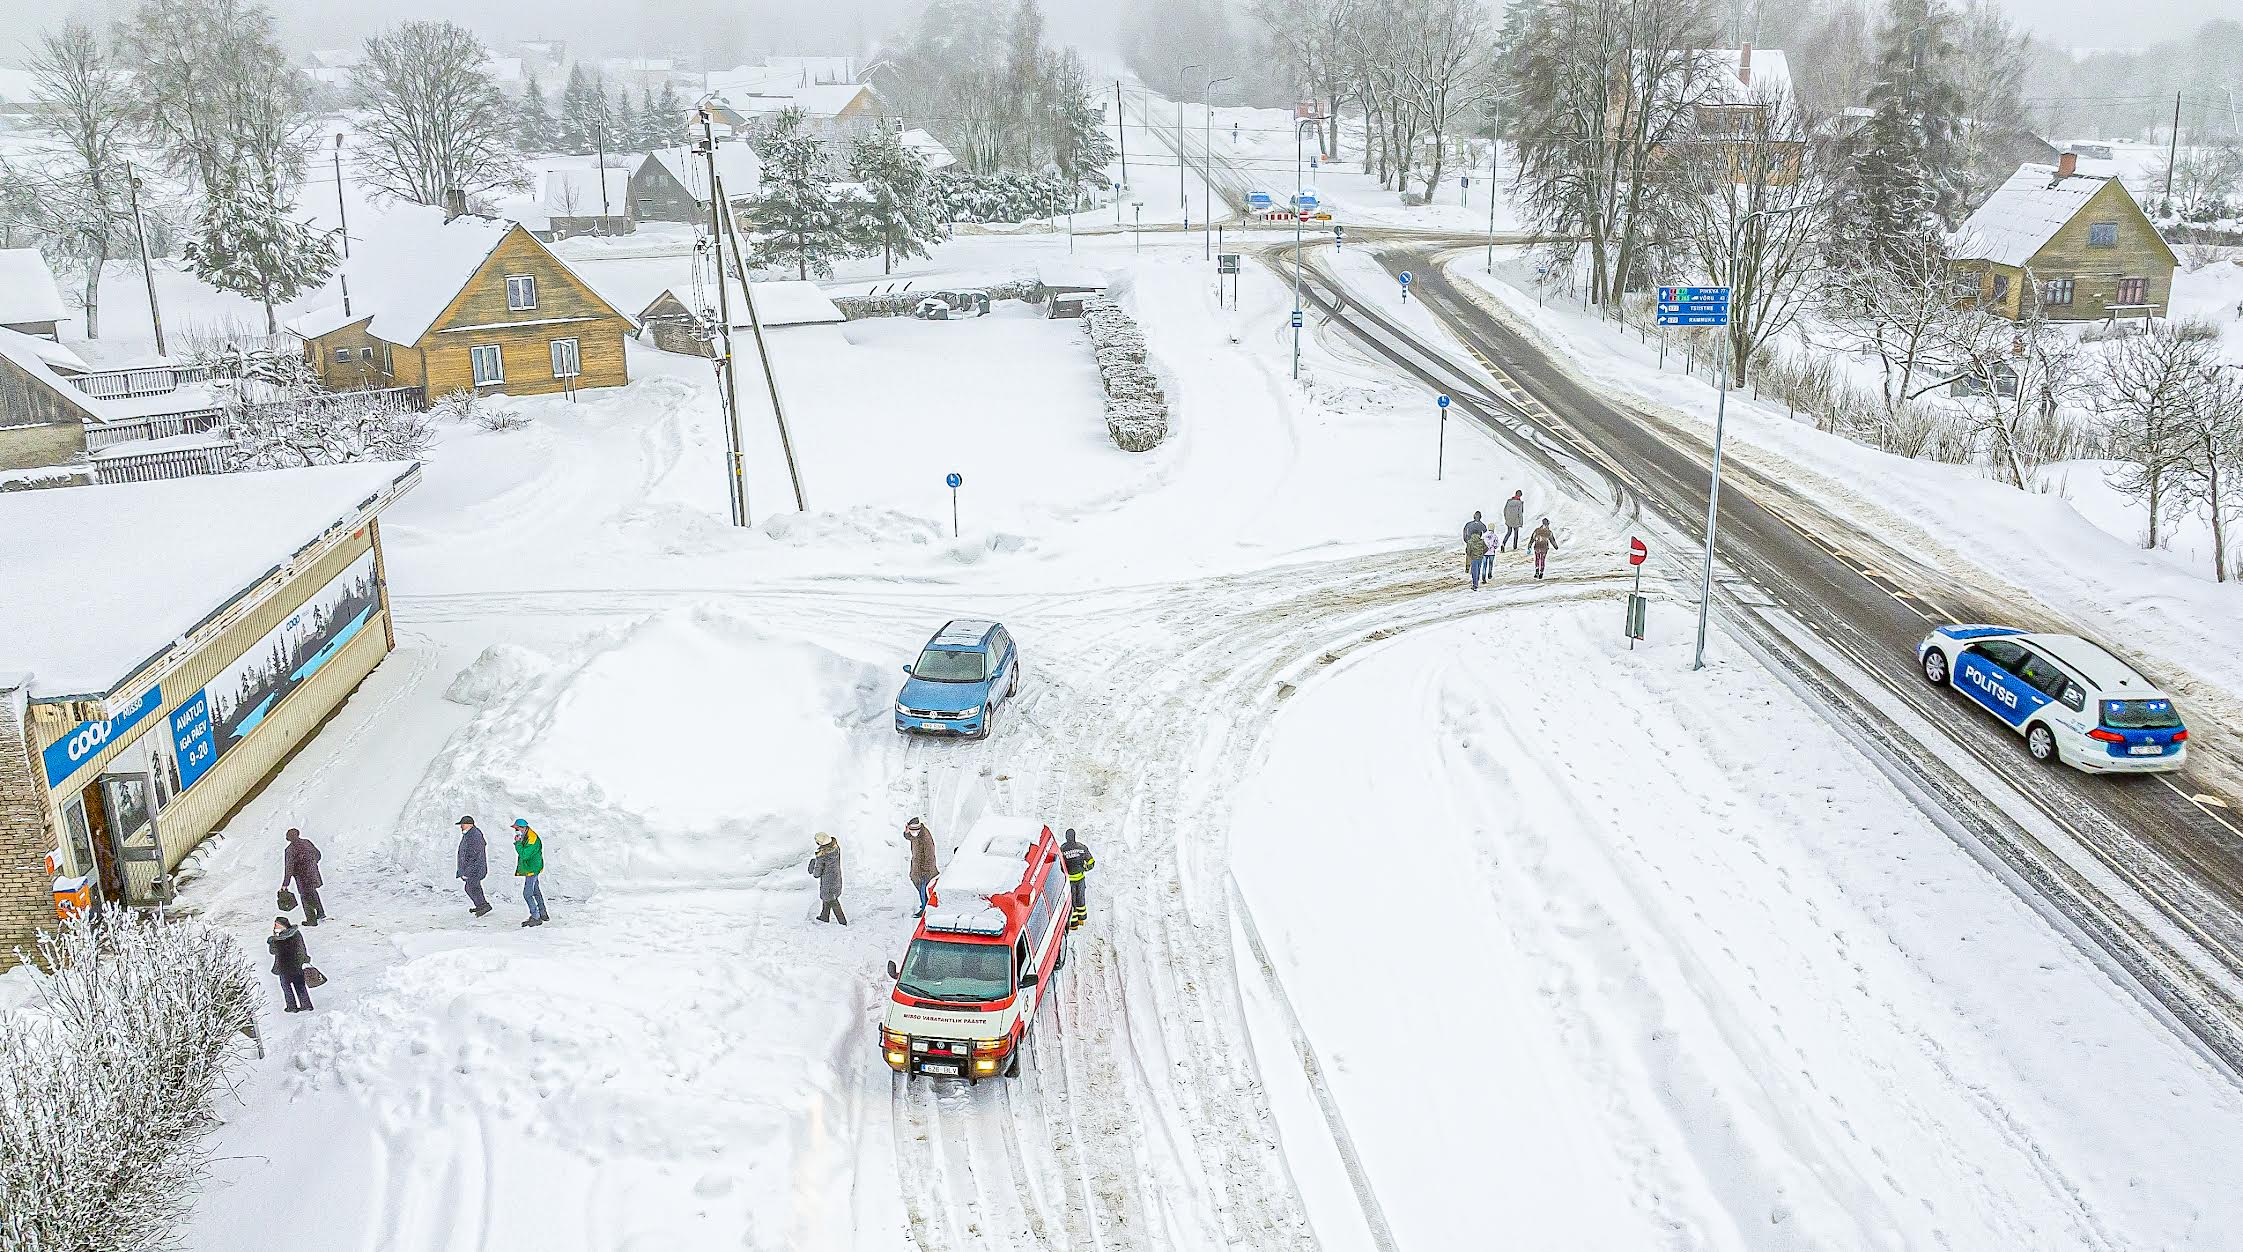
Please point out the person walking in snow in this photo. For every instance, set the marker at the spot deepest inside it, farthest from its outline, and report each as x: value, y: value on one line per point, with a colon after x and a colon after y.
x: 286, y: 943
x: 923, y: 868
x: 299, y: 864
x: 529, y: 862
x: 1475, y: 526
x: 1540, y: 543
x: 825, y: 866
x: 1514, y: 516
x: 1487, y: 558
x: 1075, y: 855
x: 1475, y: 551
x: 473, y: 866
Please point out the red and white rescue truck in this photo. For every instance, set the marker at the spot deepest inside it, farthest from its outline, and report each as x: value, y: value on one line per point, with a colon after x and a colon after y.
x: 978, y: 968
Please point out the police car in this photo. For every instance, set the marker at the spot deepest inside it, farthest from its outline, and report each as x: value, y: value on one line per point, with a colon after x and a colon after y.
x: 2072, y: 700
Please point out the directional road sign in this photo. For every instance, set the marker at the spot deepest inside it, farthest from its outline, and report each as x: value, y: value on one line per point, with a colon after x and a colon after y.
x: 1296, y: 319
x: 1443, y: 402
x: 1693, y: 295
x: 954, y: 481
x: 1694, y: 319
x: 1226, y: 262
x: 1405, y: 276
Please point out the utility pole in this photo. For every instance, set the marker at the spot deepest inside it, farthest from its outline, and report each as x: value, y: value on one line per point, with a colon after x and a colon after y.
x: 1207, y: 174
x: 1121, y: 134
x: 1298, y: 122
x: 342, y: 216
x: 1183, y: 201
x: 2172, y: 152
x: 147, y: 269
x: 600, y: 141
x: 762, y: 351
x: 728, y: 395
x: 1495, y: 153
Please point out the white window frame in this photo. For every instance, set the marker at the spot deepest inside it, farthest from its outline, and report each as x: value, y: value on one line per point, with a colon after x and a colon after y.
x: 497, y: 374
x: 342, y: 356
x: 575, y: 358
x: 526, y: 286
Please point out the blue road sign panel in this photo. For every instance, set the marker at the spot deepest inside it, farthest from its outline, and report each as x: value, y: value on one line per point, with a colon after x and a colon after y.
x: 1695, y: 307
x: 954, y: 480
x: 1693, y: 295
x: 1296, y: 319
x: 1405, y: 276
x: 1694, y: 319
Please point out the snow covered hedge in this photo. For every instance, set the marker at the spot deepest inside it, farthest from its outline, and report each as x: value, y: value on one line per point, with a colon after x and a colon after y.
x: 107, y: 1080
x: 1136, y: 408
x: 901, y: 303
x: 1002, y: 196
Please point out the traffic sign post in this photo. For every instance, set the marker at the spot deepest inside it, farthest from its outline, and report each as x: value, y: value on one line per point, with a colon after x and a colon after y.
x: 954, y: 481
x: 1441, y: 448
x: 1405, y: 277
x: 1296, y: 319
x: 1638, y: 607
x: 1337, y: 236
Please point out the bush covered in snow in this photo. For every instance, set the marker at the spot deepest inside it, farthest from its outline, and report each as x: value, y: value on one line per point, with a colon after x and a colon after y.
x: 325, y: 428
x: 1001, y: 196
x: 1136, y: 408
x: 107, y: 1080
x: 901, y: 303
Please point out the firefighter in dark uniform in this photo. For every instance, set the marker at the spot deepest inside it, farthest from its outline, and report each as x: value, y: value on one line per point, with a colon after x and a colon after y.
x: 1076, y: 856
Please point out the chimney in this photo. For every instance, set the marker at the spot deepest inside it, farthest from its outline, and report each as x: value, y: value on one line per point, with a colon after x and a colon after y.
x: 2067, y: 165
x: 1744, y: 65
x: 455, y: 203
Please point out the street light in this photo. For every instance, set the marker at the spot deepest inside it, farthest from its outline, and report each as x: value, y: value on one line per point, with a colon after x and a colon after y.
x: 1298, y: 122
x: 1720, y: 413
x: 1207, y: 173
x: 1183, y: 201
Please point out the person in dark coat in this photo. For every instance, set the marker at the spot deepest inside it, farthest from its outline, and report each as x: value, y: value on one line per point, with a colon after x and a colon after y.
x: 300, y: 865
x: 474, y: 865
x: 289, y: 959
x: 1475, y: 551
x: 923, y: 867
x: 825, y: 866
x: 1540, y: 542
x: 1476, y: 526
x: 1075, y: 855
x: 1514, y: 516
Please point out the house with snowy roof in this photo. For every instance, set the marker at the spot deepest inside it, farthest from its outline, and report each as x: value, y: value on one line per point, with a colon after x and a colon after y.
x: 672, y: 184
x: 585, y: 201
x: 829, y: 110
x: 793, y: 308
x: 30, y: 303
x: 932, y: 152
x: 2055, y: 243
x: 458, y: 302
x: 1744, y: 107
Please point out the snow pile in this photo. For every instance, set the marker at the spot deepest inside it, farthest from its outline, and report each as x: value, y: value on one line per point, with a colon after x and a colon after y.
x: 688, y: 745
x: 1136, y: 408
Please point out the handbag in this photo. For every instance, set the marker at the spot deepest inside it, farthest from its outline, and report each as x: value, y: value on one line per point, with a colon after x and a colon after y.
x: 313, y: 978
x: 286, y: 899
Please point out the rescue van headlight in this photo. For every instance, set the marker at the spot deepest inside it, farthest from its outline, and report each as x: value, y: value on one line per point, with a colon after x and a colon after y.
x: 990, y: 1046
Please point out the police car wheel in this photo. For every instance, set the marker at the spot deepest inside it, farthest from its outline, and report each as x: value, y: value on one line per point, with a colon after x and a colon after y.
x: 1935, y: 667
x: 2041, y: 742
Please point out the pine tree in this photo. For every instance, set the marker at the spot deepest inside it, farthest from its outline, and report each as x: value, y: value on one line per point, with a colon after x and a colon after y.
x: 798, y: 218
x: 533, y: 127
x: 649, y: 135
x: 670, y: 127
x: 902, y: 209
x: 1080, y: 145
x: 246, y: 243
x: 623, y: 122
x: 1910, y: 165
x: 582, y: 103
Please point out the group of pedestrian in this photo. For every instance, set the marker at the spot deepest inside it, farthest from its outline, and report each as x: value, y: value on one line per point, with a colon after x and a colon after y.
x: 825, y: 866
x: 300, y: 882
x: 1479, y: 554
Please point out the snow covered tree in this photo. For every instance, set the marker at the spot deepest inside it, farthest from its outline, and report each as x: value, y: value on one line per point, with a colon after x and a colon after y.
x: 1080, y: 145
x: 799, y: 219
x: 2149, y: 389
x: 109, y: 1078
x: 533, y: 121
x: 323, y: 428
x: 1023, y: 81
x: 1991, y: 56
x: 578, y: 120
x: 902, y: 208
x: 74, y: 190
x: 1909, y: 162
x: 623, y: 124
x: 434, y: 120
x: 215, y: 91
x: 666, y: 122
x: 2211, y: 442
x: 2019, y: 375
x: 1902, y: 314
x: 246, y: 243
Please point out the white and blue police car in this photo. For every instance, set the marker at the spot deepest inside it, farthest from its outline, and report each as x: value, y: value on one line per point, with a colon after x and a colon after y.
x: 2072, y: 700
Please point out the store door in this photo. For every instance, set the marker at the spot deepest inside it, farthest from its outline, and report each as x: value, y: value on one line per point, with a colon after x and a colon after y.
x: 91, y: 854
x: 132, y: 833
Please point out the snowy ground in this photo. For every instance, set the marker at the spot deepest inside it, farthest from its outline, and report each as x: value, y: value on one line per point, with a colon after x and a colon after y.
x: 1712, y: 995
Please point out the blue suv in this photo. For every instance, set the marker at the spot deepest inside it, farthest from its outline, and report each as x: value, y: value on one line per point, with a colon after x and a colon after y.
x: 962, y: 675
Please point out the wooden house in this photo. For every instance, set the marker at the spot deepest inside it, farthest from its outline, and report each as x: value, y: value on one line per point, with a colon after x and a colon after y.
x: 2065, y: 246
x: 469, y: 304
x: 673, y: 324
x: 672, y: 184
x: 30, y: 303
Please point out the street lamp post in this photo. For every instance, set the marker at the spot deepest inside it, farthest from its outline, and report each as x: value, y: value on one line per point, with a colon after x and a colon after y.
x: 1298, y: 122
x: 1720, y: 414
x: 1207, y: 174
x: 147, y: 267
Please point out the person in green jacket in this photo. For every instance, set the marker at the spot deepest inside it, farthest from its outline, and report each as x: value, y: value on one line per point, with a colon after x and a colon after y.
x: 529, y: 862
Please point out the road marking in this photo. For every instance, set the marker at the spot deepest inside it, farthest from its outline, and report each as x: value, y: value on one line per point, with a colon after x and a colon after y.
x: 2212, y: 800
x: 2204, y: 804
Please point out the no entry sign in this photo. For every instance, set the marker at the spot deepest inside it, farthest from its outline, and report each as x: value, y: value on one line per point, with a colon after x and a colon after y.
x: 1637, y: 552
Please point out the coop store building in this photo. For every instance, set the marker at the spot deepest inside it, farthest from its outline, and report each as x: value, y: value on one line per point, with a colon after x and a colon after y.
x: 164, y: 648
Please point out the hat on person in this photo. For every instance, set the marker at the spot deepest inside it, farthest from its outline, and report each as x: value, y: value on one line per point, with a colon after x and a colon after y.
x: 465, y: 821
x: 824, y: 838
x: 521, y: 823
x: 294, y: 833
x: 283, y: 920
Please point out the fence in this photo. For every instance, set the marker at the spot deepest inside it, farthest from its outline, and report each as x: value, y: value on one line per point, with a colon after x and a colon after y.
x: 152, y: 380
x: 210, y: 458
x: 101, y: 435
x: 149, y: 466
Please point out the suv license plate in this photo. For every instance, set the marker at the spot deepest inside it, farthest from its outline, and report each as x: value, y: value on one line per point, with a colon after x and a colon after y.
x: 933, y: 726
x: 2147, y: 749
x: 930, y: 1067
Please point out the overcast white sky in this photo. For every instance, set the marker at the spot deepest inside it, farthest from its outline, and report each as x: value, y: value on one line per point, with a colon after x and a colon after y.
x: 2127, y: 24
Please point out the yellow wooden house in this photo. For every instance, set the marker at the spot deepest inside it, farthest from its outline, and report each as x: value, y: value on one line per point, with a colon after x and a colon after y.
x: 466, y: 304
x: 2064, y: 246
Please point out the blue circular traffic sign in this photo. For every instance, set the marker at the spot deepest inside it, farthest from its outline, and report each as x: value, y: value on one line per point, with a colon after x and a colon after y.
x: 1405, y: 278
x: 1443, y: 402
x: 954, y: 481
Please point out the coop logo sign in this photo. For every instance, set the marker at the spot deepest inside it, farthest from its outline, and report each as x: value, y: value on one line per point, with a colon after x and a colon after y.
x: 87, y: 740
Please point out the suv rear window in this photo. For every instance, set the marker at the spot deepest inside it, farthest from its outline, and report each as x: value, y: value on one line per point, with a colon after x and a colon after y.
x: 945, y: 665
x: 2140, y: 715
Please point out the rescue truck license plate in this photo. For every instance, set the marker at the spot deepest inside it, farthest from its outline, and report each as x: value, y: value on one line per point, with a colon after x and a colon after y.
x: 2146, y: 749
x: 932, y: 1068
